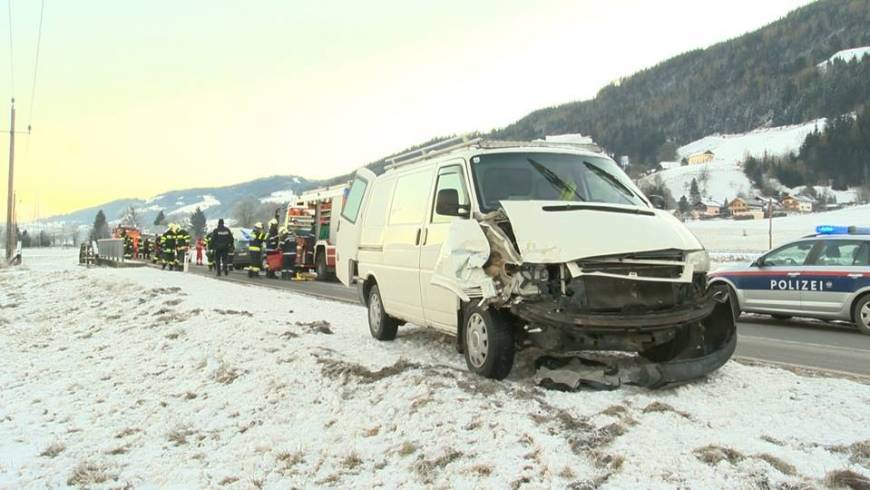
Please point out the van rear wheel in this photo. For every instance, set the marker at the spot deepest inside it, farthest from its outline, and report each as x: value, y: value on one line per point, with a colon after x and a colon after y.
x: 489, y: 342
x: 381, y: 325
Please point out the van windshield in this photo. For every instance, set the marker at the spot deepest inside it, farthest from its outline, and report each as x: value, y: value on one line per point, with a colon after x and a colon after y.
x: 550, y: 177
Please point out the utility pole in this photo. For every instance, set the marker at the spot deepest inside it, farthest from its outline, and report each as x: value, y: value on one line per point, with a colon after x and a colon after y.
x: 770, y: 224
x: 10, y: 230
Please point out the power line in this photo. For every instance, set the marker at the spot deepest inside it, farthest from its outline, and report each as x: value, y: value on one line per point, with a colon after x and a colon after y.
x: 35, y: 64
x: 11, y: 52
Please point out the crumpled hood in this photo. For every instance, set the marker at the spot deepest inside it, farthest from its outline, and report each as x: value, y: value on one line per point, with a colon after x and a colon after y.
x: 558, y: 231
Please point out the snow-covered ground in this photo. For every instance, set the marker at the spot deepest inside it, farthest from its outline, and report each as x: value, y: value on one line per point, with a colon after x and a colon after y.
x: 733, y: 148
x: 716, y: 180
x: 725, y: 235
x: 723, y: 177
x: 110, y: 377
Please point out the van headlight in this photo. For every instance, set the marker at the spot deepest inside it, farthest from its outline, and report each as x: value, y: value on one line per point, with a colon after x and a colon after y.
x: 699, y: 260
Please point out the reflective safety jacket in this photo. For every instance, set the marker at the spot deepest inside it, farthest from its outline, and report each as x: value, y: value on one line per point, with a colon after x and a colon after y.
x: 257, y: 239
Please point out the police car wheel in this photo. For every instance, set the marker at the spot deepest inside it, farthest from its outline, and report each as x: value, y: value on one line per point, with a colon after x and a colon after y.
x: 861, y: 314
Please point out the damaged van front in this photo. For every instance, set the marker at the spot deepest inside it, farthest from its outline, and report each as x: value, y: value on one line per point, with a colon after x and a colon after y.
x: 564, y: 251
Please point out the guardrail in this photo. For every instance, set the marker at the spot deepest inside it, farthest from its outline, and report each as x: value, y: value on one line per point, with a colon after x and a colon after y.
x: 111, y: 249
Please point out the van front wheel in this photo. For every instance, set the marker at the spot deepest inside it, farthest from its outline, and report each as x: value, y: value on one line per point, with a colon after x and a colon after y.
x: 489, y: 343
x: 381, y: 325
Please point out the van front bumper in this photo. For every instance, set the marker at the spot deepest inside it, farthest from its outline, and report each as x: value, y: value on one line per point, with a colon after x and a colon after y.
x: 673, y: 347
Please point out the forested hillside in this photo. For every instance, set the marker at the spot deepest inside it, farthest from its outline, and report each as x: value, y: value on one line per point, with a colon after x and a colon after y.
x: 767, y: 77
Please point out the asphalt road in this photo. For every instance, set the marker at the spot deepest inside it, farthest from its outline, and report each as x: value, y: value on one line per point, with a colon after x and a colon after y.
x: 799, y: 343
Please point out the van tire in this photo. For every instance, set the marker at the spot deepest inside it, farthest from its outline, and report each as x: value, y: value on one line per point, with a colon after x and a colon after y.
x: 862, y: 308
x: 488, y: 341
x: 381, y: 325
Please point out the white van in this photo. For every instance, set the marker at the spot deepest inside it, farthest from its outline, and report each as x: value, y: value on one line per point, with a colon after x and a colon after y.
x: 506, y: 245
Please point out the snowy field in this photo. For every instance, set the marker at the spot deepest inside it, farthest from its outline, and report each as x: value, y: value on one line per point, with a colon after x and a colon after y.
x: 139, y: 378
x: 750, y: 237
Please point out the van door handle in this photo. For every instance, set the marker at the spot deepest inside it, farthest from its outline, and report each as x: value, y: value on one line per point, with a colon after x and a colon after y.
x: 793, y: 274
x: 425, y: 236
x: 417, y: 240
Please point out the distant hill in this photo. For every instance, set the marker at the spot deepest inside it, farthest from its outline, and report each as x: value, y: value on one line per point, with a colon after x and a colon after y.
x: 177, y: 205
x: 768, y: 77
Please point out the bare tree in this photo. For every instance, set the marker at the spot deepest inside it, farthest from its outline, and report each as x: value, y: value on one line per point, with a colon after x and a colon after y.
x: 245, y: 213
x: 131, y: 218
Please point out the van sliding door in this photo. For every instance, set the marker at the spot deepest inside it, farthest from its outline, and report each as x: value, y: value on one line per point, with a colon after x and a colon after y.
x: 400, y: 273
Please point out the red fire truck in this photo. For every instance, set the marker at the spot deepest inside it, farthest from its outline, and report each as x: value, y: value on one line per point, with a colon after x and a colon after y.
x: 313, y: 218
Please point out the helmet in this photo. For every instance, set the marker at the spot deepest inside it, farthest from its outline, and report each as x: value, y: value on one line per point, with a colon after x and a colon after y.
x: 258, y: 225
x: 273, y: 221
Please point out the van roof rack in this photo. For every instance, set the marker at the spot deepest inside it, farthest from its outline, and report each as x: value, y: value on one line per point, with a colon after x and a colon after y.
x: 459, y: 142
x: 540, y: 143
x: 438, y: 148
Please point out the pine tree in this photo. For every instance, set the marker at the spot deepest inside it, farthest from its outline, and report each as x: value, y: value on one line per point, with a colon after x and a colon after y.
x: 197, y: 224
x: 101, y: 227
x: 684, y: 205
x: 694, y: 193
x: 160, y: 219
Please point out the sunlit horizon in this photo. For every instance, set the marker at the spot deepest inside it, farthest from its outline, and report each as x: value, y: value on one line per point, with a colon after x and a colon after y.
x: 135, y: 100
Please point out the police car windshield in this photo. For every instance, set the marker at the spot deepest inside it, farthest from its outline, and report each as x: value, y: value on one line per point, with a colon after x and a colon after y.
x: 794, y: 254
x: 526, y: 176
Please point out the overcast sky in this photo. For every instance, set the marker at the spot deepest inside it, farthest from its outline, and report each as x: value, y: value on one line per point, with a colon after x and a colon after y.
x: 137, y: 98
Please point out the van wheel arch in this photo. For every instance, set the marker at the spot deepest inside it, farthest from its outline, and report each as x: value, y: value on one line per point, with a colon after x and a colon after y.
x: 732, y: 293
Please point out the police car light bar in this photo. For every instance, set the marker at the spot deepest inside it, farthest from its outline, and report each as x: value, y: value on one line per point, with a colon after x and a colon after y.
x: 842, y: 230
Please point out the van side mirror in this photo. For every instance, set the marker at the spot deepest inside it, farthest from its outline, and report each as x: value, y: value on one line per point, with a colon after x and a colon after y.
x: 447, y: 204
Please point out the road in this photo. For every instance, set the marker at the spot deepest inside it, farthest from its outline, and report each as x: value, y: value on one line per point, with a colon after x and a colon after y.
x: 800, y: 343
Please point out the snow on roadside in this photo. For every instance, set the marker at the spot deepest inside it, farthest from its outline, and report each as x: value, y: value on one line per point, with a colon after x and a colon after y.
x: 722, y: 235
x: 115, y: 376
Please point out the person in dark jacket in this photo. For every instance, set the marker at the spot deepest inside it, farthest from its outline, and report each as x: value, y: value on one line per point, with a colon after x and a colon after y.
x: 220, y: 241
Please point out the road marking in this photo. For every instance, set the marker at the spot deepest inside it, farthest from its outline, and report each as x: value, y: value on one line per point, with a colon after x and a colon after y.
x: 826, y: 347
x: 834, y: 372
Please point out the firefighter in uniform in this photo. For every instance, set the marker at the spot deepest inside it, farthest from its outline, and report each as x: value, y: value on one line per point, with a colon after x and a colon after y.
x: 128, y: 244
x: 271, y: 243
x: 145, y: 249
x: 182, y: 242
x: 255, y: 248
x: 157, y: 251
x: 287, y: 243
x: 220, y: 242
x: 209, y: 251
x: 167, y: 246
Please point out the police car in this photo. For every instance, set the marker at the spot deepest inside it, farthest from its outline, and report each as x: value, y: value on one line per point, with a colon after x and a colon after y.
x: 825, y: 275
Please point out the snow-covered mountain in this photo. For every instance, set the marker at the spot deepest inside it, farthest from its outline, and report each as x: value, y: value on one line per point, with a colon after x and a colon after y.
x: 216, y: 202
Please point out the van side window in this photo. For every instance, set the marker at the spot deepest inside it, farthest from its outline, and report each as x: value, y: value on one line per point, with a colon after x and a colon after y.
x: 353, y: 201
x: 409, y: 199
x: 450, y: 178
